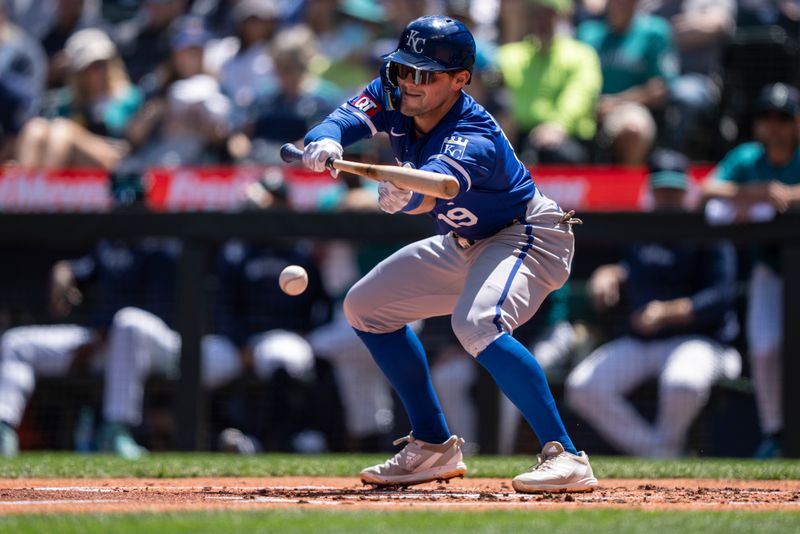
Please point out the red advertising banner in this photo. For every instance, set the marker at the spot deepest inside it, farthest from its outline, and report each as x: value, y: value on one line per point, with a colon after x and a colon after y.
x: 222, y: 188
x: 64, y: 191
x: 583, y: 188
x: 597, y: 188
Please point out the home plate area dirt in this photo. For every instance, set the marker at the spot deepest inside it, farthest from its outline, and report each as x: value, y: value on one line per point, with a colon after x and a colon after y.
x: 139, y: 494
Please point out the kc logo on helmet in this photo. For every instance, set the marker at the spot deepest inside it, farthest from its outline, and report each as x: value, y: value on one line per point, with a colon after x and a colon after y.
x: 413, y: 41
x: 454, y: 147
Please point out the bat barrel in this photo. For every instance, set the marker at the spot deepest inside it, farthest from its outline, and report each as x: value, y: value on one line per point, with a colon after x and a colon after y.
x: 290, y: 153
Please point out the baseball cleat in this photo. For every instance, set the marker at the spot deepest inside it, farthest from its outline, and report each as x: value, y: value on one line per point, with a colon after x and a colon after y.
x: 557, y: 471
x: 418, y: 462
x: 115, y: 438
x: 9, y: 443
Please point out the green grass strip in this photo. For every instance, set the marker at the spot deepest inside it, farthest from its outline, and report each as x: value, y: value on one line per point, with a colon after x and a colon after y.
x: 168, y: 465
x: 314, y: 521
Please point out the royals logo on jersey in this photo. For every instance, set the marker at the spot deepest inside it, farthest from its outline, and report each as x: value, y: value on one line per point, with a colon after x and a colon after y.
x: 454, y: 147
x: 365, y: 104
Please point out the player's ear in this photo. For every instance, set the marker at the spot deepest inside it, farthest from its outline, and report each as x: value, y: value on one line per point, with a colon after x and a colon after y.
x: 460, y: 79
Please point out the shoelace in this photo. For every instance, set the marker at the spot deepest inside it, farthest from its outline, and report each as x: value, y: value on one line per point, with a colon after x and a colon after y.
x: 405, y: 439
x: 569, y: 218
x: 543, y: 463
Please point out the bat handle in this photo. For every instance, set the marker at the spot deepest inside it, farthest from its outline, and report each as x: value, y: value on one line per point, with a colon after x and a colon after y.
x: 290, y: 153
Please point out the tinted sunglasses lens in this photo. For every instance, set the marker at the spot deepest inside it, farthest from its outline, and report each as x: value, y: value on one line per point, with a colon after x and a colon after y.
x: 420, y: 77
x: 425, y: 76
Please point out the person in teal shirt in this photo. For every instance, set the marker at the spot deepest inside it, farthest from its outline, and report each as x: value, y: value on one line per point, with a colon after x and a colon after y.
x: 754, y: 178
x: 638, y: 62
x: 87, y: 123
x: 553, y: 82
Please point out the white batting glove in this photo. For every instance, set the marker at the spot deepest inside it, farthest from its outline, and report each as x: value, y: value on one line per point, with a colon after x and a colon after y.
x: 316, y: 154
x: 391, y: 198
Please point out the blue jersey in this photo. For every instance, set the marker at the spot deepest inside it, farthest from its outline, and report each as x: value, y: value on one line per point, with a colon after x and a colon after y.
x: 467, y: 143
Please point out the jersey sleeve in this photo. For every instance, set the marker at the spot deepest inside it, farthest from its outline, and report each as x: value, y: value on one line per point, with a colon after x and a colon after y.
x: 732, y: 166
x: 361, y: 116
x: 717, y: 296
x: 469, y: 158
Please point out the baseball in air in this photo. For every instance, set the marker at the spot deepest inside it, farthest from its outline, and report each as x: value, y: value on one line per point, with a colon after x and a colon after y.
x: 293, y: 280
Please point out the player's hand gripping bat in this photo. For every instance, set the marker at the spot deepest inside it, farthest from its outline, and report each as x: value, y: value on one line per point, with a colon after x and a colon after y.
x: 425, y: 182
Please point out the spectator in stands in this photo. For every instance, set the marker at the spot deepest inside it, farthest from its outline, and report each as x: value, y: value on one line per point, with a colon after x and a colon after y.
x: 22, y: 74
x: 587, y: 10
x: 70, y: 17
x: 783, y: 13
x: 553, y: 82
x: 399, y: 12
x: 185, y: 119
x: 217, y: 15
x: 347, y: 33
x: 35, y: 16
x: 700, y: 29
x: 145, y: 40
x: 119, y: 11
x: 638, y: 63
x: 250, y: 72
x: 11, y: 103
x: 679, y: 319
x: 753, y: 182
x: 301, y: 100
x: 90, y: 116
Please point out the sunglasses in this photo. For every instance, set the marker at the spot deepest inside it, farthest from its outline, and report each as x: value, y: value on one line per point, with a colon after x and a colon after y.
x: 421, y: 77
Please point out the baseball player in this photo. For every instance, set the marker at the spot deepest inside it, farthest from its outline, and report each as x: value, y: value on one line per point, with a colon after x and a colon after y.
x: 679, y: 319
x: 753, y: 182
x: 256, y: 329
x: 501, y: 247
x: 117, y: 272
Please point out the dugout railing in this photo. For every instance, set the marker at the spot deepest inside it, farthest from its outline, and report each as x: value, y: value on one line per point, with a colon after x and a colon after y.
x: 201, y: 232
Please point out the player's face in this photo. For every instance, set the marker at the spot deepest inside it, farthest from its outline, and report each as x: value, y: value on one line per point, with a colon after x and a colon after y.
x: 774, y: 128
x: 668, y: 199
x: 422, y: 98
x: 93, y: 80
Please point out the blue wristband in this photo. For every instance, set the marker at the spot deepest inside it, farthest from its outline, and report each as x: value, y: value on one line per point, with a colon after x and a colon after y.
x: 414, y: 202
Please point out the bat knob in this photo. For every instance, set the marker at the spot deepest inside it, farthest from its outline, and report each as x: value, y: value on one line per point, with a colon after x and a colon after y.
x: 290, y: 153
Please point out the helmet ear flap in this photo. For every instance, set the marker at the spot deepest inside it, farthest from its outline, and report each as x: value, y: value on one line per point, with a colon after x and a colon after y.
x: 391, y: 72
x: 391, y: 93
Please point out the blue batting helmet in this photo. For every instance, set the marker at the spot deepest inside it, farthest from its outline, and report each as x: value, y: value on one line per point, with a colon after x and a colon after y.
x: 435, y: 43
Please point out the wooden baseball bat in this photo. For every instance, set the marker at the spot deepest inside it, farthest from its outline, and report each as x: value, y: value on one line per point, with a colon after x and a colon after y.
x: 425, y: 182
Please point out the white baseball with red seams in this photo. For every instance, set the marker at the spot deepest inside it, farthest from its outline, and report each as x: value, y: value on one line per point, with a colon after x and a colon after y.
x: 293, y: 280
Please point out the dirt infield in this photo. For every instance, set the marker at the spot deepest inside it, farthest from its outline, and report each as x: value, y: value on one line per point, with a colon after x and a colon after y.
x: 139, y: 494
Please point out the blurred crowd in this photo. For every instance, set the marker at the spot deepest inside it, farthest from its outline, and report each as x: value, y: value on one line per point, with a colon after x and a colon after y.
x: 123, y: 85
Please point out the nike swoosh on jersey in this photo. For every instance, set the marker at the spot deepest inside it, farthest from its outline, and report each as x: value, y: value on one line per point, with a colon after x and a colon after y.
x: 393, y: 133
